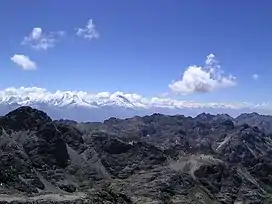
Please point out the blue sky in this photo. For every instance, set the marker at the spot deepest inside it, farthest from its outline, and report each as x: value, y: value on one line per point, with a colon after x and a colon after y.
x: 142, y: 46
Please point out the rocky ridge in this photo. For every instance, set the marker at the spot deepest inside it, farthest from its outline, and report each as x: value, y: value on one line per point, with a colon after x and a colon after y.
x: 152, y: 159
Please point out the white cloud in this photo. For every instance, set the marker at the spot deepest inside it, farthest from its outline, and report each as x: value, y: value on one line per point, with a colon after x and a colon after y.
x: 255, y: 76
x: 89, y: 32
x: 24, y: 62
x: 36, y: 33
x: 197, y: 79
x: 39, y: 40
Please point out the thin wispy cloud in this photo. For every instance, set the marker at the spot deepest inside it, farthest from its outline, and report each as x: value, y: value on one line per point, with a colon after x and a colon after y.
x: 89, y: 32
x: 40, y: 40
x: 197, y: 79
x: 24, y: 62
x: 255, y: 76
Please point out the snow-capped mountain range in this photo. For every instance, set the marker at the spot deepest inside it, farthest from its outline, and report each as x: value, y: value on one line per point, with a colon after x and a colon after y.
x: 82, y: 106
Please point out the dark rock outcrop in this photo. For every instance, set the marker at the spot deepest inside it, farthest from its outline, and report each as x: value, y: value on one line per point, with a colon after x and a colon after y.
x: 72, y: 136
x: 122, y: 159
x: 24, y: 118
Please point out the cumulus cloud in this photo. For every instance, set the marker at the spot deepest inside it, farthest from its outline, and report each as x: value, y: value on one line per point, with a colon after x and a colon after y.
x: 197, y: 79
x: 255, y: 76
x: 89, y: 32
x: 40, y: 40
x: 24, y: 62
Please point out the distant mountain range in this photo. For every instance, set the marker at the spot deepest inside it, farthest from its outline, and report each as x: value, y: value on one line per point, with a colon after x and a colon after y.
x: 81, y: 106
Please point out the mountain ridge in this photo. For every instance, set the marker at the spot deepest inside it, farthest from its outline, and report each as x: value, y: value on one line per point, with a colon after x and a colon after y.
x: 151, y: 159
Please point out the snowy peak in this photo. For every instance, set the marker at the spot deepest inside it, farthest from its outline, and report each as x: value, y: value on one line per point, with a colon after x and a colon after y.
x: 34, y: 95
x: 67, y: 98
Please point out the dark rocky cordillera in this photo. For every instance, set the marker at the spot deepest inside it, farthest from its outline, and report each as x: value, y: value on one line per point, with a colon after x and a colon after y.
x: 209, y: 159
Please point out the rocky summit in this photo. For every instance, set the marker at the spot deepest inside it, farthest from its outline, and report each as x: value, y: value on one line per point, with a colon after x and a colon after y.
x: 156, y: 159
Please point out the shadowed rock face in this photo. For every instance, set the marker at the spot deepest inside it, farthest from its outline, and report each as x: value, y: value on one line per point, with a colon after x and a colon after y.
x: 151, y: 159
x: 72, y: 136
x: 122, y: 159
x: 50, y: 146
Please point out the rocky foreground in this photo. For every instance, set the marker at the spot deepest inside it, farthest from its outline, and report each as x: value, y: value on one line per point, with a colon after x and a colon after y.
x: 155, y: 159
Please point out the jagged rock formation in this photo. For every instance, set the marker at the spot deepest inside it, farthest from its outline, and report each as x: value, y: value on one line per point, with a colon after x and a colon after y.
x: 152, y: 159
